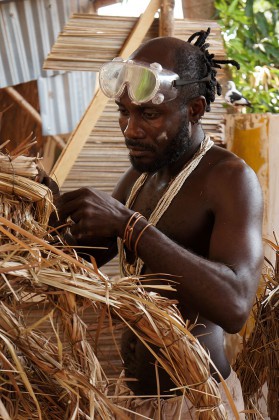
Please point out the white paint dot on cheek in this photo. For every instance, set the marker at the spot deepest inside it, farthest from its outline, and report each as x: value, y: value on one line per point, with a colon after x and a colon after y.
x: 127, y: 125
x: 162, y: 136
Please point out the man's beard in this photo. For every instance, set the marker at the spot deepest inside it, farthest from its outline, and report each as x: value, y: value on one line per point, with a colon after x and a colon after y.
x: 179, y: 145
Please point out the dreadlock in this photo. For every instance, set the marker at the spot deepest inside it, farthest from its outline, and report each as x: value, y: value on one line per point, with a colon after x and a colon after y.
x: 196, y: 62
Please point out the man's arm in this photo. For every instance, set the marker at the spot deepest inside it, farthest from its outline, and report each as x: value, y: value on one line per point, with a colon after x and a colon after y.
x: 221, y: 288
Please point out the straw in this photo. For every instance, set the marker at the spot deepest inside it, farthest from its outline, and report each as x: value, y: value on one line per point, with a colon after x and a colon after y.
x: 258, y: 362
x: 57, y: 374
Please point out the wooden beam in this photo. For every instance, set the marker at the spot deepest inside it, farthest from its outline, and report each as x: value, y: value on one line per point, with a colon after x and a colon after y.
x: 81, y: 133
x: 166, y: 22
x: 21, y: 101
x: 139, y: 31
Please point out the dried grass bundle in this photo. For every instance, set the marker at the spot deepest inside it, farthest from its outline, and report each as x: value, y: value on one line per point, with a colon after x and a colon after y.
x: 26, y: 202
x: 154, y: 319
x: 55, y: 375
x: 258, y: 363
x: 18, y: 164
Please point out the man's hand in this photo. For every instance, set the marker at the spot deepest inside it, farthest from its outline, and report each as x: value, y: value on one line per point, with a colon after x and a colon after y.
x: 43, y: 178
x: 93, y: 214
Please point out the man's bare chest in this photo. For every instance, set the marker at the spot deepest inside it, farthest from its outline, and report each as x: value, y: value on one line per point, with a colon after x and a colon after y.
x: 187, y: 219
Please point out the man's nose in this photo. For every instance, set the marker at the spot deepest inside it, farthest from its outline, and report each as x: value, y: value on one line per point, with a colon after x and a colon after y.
x: 133, y: 128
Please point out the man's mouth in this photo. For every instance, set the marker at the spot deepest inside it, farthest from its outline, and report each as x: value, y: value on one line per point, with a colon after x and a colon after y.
x: 138, y: 152
x: 137, y: 149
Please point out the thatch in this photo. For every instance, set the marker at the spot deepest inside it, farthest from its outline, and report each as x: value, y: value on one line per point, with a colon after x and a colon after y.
x: 51, y: 375
x: 258, y: 363
x: 89, y: 40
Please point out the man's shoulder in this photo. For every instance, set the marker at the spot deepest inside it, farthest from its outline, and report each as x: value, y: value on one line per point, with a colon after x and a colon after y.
x: 231, y: 175
x: 224, y: 162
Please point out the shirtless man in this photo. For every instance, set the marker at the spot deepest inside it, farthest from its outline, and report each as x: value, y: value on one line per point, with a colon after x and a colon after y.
x: 209, y: 236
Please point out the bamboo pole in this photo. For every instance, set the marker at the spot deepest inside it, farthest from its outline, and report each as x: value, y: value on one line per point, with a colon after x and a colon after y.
x: 24, y: 104
x: 82, y: 131
x: 166, y: 22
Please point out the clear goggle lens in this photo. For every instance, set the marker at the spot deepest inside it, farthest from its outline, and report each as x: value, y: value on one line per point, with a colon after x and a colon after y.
x: 144, y: 82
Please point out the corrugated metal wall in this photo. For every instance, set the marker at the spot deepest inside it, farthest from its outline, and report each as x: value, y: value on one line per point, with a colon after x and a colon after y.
x: 63, y: 100
x: 28, y: 29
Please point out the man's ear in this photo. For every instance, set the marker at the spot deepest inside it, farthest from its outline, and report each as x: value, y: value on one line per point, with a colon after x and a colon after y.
x: 196, y: 108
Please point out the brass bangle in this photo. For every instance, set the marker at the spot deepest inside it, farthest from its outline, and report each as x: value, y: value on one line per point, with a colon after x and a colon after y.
x: 128, y: 223
x: 139, y: 236
x: 129, y: 229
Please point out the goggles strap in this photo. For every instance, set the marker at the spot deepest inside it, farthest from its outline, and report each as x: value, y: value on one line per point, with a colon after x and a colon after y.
x: 181, y: 82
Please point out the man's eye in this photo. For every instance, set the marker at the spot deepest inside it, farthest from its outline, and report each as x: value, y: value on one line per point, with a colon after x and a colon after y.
x: 122, y: 111
x: 150, y: 114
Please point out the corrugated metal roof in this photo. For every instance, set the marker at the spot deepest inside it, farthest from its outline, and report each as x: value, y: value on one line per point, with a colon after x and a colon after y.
x: 63, y: 100
x: 28, y: 29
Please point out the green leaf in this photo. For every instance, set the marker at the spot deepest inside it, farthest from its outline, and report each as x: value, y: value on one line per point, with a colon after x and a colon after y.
x: 249, y: 8
x: 262, y: 24
x: 247, y: 26
x: 232, y: 7
x: 272, y: 52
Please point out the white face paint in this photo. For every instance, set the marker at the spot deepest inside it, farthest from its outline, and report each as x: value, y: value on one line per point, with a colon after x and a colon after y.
x: 162, y: 136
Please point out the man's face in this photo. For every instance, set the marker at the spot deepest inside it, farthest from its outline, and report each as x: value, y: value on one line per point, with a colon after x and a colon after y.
x: 156, y: 135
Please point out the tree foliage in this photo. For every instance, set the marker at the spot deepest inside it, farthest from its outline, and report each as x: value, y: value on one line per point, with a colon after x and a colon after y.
x: 251, y: 35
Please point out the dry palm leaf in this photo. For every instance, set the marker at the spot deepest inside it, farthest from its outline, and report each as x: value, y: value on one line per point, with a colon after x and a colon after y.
x: 58, y: 374
x: 258, y: 363
x: 18, y: 164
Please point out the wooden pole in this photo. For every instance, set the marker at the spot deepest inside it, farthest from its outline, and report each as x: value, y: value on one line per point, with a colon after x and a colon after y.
x: 198, y: 9
x: 166, y: 23
x: 19, y: 99
x: 82, y: 131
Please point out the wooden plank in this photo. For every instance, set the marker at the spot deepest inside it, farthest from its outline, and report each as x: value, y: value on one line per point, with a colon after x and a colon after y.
x: 87, y: 41
x: 97, y: 105
x: 139, y: 31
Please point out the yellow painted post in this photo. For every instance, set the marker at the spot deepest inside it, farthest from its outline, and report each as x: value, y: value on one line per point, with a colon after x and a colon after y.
x: 247, y: 137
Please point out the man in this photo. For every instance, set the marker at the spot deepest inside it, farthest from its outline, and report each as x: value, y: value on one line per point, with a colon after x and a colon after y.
x: 206, y: 229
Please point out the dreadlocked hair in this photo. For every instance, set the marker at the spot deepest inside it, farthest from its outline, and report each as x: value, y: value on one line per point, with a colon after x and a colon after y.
x: 195, y: 62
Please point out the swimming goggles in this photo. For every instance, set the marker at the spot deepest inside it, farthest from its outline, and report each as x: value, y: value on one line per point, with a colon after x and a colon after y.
x: 145, y: 82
